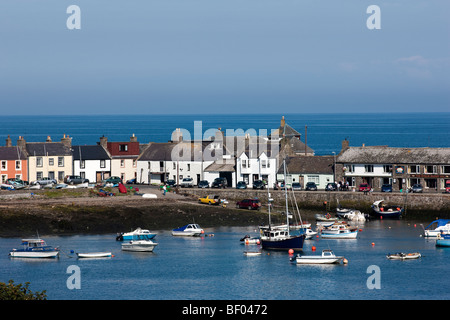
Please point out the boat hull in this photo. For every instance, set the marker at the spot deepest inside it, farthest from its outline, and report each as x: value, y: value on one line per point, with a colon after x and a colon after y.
x: 404, y: 256
x: 295, y: 243
x: 317, y: 260
x: 346, y: 235
x: 443, y: 243
x: 35, y: 254
x: 139, y: 247
x: 94, y: 255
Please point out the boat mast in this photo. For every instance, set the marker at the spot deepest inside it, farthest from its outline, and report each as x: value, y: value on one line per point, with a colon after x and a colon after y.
x: 285, y: 194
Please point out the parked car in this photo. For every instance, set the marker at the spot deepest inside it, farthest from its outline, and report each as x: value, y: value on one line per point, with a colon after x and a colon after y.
x: 386, y: 188
x: 364, y: 187
x: 187, y: 183
x: 417, y: 188
x: 210, y: 199
x: 258, y: 184
x: 241, y: 185
x: 311, y: 186
x: 132, y: 181
x: 331, y: 186
x: 171, y: 183
x: 45, y: 181
x: 249, y: 204
x: 74, y: 180
x: 219, y: 183
x: 113, y: 180
x: 296, y: 186
x: 23, y: 182
x: 203, y: 184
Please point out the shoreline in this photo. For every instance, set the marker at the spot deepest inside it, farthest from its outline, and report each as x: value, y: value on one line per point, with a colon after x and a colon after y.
x: 81, y: 211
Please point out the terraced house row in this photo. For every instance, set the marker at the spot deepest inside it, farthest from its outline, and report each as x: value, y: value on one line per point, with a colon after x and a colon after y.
x: 248, y: 159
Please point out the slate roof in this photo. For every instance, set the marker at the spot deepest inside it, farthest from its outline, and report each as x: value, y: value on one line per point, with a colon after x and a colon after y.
x: 92, y: 152
x: 47, y: 149
x: 308, y: 164
x: 162, y: 151
x: 12, y: 153
x: 390, y: 155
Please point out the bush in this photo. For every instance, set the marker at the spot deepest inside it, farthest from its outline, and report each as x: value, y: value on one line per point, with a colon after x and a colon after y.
x: 11, y: 291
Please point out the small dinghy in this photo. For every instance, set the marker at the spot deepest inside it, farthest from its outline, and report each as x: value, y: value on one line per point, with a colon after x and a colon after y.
x: 94, y: 255
x: 252, y: 253
x: 403, y: 256
x: 327, y: 257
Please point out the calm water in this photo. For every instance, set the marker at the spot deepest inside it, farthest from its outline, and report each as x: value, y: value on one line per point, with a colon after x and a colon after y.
x: 325, y: 132
x: 215, y: 268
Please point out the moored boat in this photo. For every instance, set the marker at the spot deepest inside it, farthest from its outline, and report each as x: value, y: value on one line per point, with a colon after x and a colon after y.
x: 34, y: 248
x: 137, y: 234
x: 327, y: 257
x: 339, y: 231
x: 94, y: 255
x: 437, y: 227
x: 381, y: 210
x: 443, y: 240
x: 139, y: 245
x: 190, y: 230
x: 403, y: 256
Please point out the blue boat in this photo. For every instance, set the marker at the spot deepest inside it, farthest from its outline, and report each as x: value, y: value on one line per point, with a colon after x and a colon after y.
x: 380, y: 210
x: 34, y: 248
x: 138, y: 234
x: 443, y: 240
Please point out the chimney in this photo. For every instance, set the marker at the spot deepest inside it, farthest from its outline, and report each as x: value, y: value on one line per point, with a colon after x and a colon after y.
x: 21, y: 143
x: 283, y: 122
x: 48, y: 139
x: 133, y: 138
x: 67, y: 141
x: 104, y: 142
x: 8, y: 141
x: 177, y: 135
x: 345, y: 145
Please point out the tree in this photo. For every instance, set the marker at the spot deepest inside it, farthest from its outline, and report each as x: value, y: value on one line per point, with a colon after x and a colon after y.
x: 10, y: 291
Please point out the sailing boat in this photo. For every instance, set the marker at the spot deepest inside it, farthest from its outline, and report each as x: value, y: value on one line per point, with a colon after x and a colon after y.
x: 278, y: 237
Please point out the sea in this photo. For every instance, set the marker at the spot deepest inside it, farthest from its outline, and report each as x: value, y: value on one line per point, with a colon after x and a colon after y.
x: 324, y: 133
x: 214, y: 267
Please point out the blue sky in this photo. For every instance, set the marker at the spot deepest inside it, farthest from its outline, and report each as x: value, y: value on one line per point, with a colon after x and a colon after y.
x: 217, y: 56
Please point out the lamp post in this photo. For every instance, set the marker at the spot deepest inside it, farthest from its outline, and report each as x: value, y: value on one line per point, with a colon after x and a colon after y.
x: 334, y: 167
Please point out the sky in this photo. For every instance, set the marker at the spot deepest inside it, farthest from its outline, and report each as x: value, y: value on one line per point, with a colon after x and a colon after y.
x: 224, y: 56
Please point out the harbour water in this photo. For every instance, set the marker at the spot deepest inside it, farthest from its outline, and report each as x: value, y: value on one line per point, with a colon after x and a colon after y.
x: 324, y: 133
x: 214, y: 268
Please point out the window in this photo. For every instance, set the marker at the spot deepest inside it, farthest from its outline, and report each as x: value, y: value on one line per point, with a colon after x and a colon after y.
x: 349, y: 168
x: 387, y: 168
x: 83, y: 174
x: 314, y: 179
x: 445, y: 169
x: 368, y: 167
x: 102, y: 164
x: 134, y: 162
x: 60, y: 175
x: 4, y: 178
x: 18, y: 164
x: 60, y: 161
x: 39, y: 162
x: 123, y: 147
x: 51, y: 175
x: 4, y: 167
x: 51, y: 161
x: 174, y: 165
x: 244, y: 163
x: 39, y: 175
x: 263, y: 164
x: 122, y: 163
x: 82, y: 164
x: 430, y: 169
x: 188, y: 167
x: 414, y: 169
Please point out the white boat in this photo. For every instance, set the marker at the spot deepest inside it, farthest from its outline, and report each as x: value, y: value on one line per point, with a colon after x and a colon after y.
x: 437, y: 227
x: 138, y: 234
x: 191, y: 230
x: 252, y: 253
x: 309, y: 233
x: 34, y: 248
x: 250, y: 240
x: 339, y: 231
x: 403, y: 256
x: 139, y: 245
x: 94, y: 255
x: 327, y: 257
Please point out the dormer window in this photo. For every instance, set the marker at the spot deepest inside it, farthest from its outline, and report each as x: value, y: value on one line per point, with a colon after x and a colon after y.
x: 123, y: 147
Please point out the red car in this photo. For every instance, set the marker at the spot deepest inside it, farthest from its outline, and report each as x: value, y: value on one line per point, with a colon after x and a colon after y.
x: 249, y: 204
x: 364, y: 187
